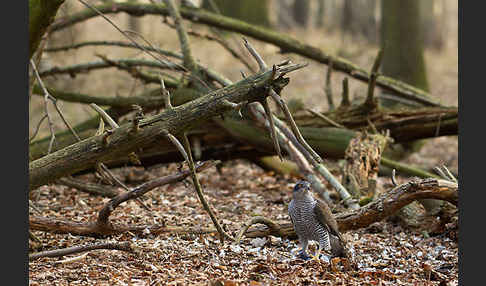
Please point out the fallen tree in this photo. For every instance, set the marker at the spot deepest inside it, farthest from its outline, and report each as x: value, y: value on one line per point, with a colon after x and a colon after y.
x: 329, y: 141
x: 386, y: 205
x: 134, y: 136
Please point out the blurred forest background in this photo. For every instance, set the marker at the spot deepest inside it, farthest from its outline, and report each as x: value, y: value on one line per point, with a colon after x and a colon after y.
x: 347, y: 28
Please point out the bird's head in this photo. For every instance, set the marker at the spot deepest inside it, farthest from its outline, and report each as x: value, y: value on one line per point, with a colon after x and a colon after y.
x: 301, y: 188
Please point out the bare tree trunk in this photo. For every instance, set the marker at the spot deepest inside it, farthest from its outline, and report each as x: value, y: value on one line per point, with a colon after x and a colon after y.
x: 321, y: 8
x: 301, y: 12
x: 284, y: 14
x: 403, y: 42
x: 430, y: 24
x: 358, y: 18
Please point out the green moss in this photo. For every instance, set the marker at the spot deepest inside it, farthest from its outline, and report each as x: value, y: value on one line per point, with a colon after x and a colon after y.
x: 41, y: 15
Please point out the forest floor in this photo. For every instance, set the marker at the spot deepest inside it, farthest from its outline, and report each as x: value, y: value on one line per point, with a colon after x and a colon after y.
x: 387, y: 253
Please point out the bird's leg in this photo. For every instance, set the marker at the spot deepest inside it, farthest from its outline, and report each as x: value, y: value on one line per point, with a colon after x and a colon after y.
x: 302, y: 253
x: 316, y: 255
x: 325, y: 244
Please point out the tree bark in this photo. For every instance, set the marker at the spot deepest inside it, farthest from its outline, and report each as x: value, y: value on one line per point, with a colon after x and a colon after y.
x: 386, y: 205
x: 328, y: 141
x: 402, y: 41
x: 132, y: 137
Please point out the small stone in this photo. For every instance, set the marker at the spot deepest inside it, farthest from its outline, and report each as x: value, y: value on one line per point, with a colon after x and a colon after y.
x: 258, y: 242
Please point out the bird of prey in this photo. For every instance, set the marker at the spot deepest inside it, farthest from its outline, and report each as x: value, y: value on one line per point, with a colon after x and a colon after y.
x: 312, y: 220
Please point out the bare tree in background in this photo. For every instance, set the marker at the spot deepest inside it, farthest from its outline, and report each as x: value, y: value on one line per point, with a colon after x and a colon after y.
x: 301, y: 12
x: 358, y: 18
x: 430, y: 23
x: 403, y: 42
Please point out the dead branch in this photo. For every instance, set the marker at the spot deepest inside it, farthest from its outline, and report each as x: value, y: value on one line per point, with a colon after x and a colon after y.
x: 123, y: 246
x: 325, y: 118
x: 289, y: 142
x: 46, y: 97
x: 345, y: 102
x: 113, y: 44
x: 90, y: 188
x: 384, y: 206
x: 369, y: 102
x: 328, y: 88
x: 102, y: 225
x: 273, y: 227
x: 118, y: 63
x: 189, y: 62
x: 200, y: 194
x: 125, y: 34
x: 121, y: 141
x: 286, y: 43
x: 209, y: 73
x: 407, y: 169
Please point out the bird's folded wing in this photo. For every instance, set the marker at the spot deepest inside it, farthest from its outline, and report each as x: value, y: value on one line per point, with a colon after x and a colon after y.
x: 325, y: 217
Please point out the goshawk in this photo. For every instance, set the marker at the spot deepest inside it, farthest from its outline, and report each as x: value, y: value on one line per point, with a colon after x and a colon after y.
x: 312, y: 220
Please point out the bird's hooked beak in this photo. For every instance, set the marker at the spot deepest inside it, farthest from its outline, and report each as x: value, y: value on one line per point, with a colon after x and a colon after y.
x: 301, y: 186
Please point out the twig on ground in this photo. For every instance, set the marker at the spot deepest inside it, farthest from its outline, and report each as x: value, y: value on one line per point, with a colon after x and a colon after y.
x: 72, y: 259
x: 34, y: 237
x: 200, y: 194
x: 90, y: 188
x: 124, y: 246
x: 274, y: 227
x: 105, y: 212
x: 325, y: 118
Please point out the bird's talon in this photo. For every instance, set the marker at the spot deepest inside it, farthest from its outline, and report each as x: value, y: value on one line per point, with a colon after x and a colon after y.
x: 302, y: 255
